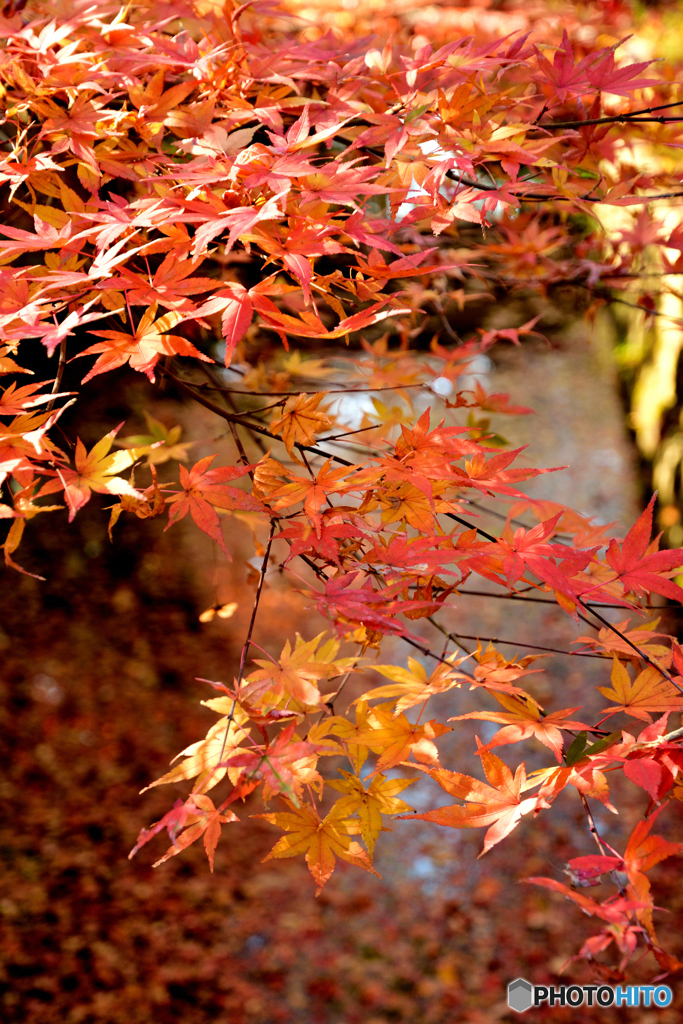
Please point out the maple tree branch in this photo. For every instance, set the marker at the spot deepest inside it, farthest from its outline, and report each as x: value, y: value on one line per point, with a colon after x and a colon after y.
x: 208, y: 404
x: 676, y: 734
x: 613, y: 120
x: 60, y: 373
x: 641, y: 653
x: 517, y: 596
x: 329, y: 704
x: 290, y: 394
x: 635, y: 117
x: 518, y: 643
x: 448, y: 635
x: 309, y: 448
x: 247, y: 642
x: 257, y: 598
x: 596, y: 835
x: 615, y: 878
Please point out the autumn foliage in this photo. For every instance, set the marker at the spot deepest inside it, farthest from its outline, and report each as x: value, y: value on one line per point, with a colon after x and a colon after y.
x: 289, y: 226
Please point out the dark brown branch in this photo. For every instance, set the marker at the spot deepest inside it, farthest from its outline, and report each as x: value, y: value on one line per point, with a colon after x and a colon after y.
x: 517, y: 643
x: 613, y: 120
x: 247, y: 642
x: 516, y: 596
x: 60, y: 373
x: 641, y: 654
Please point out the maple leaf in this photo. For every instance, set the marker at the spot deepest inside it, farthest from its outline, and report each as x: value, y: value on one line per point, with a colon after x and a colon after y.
x: 497, y: 402
x: 497, y: 805
x: 150, y: 503
x: 639, y: 571
x: 349, y: 733
x: 8, y: 365
x: 322, y: 840
x: 394, y: 738
x: 496, y: 672
x: 370, y: 804
x: 98, y: 471
x: 649, y: 691
x: 492, y: 475
x: 285, y: 765
x: 615, y: 641
x: 642, y: 852
x: 323, y: 542
x: 165, y: 441
x: 25, y: 508
x: 311, y: 326
x: 208, y: 757
x: 604, y: 76
x: 615, y: 910
x: 293, y: 675
x: 412, y: 685
x: 362, y: 605
x: 565, y: 75
x: 529, y: 549
x: 208, y: 826
x: 14, y: 400
x: 237, y: 316
x: 524, y: 718
x: 142, y: 348
x: 587, y: 871
x: 301, y: 420
x: 169, y: 287
x: 313, y: 492
x: 512, y: 334
x: 205, y: 490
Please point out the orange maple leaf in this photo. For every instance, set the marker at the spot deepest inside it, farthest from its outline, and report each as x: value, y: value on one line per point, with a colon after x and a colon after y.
x: 642, y: 852
x: 142, y: 348
x: 301, y: 420
x: 395, y: 738
x: 497, y: 805
x: 649, y: 691
x: 412, y: 686
x: 208, y: 825
x: 524, y: 718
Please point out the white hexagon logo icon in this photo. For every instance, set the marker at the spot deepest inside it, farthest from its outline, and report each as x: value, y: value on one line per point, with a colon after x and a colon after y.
x: 520, y: 995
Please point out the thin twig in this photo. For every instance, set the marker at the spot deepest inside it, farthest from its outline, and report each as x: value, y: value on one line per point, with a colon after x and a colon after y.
x: 247, y: 642
x: 517, y: 643
x: 639, y: 651
x: 60, y: 373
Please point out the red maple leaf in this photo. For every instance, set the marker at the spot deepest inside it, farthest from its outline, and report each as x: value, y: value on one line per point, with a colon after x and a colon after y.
x: 640, y: 571
x: 205, y: 490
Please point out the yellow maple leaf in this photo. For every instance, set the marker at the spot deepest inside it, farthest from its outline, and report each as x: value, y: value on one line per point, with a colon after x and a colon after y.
x: 649, y: 691
x: 166, y: 442
x: 412, y: 685
x: 221, y: 740
x: 97, y: 470
x: 348, y: 733
x: 371, y: 803
x: 322, y: 840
